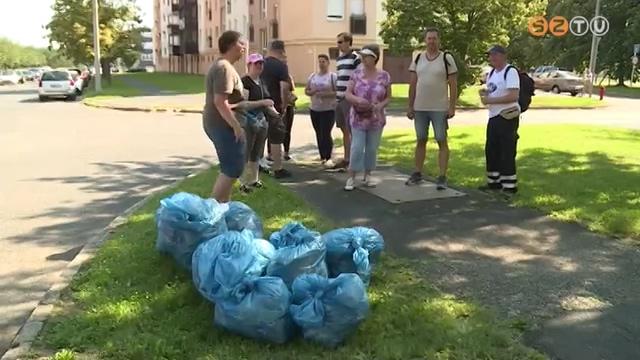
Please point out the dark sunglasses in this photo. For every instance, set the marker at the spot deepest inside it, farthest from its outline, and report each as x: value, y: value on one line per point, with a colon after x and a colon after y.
x: 340, y: 41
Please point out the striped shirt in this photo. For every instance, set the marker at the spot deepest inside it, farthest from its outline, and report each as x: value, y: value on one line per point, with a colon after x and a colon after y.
x: 345, y: 65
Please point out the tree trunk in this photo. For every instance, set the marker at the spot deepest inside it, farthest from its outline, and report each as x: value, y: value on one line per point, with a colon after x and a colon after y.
x: 106, y: 70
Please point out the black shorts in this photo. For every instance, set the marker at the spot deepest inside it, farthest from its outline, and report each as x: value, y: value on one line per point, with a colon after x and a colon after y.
x: 277, y: 131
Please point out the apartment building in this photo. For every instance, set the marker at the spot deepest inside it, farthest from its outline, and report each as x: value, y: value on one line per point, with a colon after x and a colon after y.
x: 308, y: 27
x: 308, y: 36
x: 264, y: 24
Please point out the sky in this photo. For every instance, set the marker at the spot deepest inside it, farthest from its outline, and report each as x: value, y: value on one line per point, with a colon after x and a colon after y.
x: 22, y: 21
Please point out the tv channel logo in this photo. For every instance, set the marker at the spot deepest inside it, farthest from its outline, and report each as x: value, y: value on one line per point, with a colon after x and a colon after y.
x: 560, y: 26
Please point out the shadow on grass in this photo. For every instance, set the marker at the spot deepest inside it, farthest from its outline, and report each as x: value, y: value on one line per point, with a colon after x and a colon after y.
x: 132, y: 303
x: 593, y: 188
x: 550, y: 278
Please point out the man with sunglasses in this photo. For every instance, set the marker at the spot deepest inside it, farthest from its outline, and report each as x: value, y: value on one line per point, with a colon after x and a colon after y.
x: 346, y: 64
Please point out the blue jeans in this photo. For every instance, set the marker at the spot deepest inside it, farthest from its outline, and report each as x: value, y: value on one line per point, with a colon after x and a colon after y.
x: 364, y: 149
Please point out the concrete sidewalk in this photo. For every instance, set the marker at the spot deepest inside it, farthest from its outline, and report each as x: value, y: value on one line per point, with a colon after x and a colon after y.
x: 618, y: 113
x: 577, y: 292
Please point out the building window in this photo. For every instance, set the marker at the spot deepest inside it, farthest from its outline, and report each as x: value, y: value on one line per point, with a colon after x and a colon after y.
x: 250, y: 2
x: 334, y: 52
x: 228, y: 6
x: 335, y: 9
x: 263, y: 39
x: 358, y: 25
x: 210, y: 15
x: 217, y: 32
x: 263, y: 9
x: 274, y: 29
x: 210, y: 40
x: 252, y: 35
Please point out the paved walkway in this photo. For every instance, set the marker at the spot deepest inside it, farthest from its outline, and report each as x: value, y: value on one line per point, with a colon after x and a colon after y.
x: 619, y: 112
x: 578, y: 292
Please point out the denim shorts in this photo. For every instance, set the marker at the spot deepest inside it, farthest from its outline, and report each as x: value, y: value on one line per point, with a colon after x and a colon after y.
x: 440, y: 122
x: 231, y: 153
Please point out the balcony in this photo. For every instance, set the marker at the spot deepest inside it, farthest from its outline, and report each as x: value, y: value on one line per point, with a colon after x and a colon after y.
x: 176, y: 50
x: 174, y: 40
x: 175, y: 22
x: 176, y: 5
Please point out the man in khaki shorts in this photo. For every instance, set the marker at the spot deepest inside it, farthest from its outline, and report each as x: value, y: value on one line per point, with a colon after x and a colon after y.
x: 346, y: 64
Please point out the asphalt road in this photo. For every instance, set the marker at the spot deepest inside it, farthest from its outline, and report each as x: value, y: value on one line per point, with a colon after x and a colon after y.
x: 67, y: 171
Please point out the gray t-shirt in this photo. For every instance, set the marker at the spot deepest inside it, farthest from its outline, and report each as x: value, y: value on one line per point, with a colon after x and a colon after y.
x: 222, y: 78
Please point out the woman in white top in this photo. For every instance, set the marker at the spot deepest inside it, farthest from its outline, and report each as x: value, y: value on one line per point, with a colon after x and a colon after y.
x: 321, y: 87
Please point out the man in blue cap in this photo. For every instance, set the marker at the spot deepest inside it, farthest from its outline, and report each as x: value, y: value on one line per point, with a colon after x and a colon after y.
x: 501, y: 98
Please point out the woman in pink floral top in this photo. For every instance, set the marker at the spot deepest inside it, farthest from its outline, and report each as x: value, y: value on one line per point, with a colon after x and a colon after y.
x: 369, y: 93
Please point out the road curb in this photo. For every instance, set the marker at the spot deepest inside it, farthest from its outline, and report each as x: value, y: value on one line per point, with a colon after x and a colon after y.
x: 306, y: 111
x: 141, y: 109
x: 23, y: 341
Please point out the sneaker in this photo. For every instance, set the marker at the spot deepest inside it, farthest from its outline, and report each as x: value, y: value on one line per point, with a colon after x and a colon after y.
x: 368, y: 182
x: 490, y: 187
x: 415, y: 179
x: 350, y: 185
x: 245, y: 189
x: 269, y: 160
x: 329, y: 164
x: 287, y: 157
x: 282, y: 174
x: 257, y: 185
x: 264, y: 165
x: 441, y: 184
x: 342, y: 164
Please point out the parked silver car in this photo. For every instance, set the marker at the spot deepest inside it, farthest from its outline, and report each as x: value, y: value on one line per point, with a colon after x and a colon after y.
x: 560, y: 81
x: 58, y: 84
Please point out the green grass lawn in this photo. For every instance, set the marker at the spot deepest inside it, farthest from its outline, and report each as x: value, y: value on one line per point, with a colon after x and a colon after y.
x: 623, y: 91
x: 576, y: 173
x: 132, y: 303
x: 194, y: 84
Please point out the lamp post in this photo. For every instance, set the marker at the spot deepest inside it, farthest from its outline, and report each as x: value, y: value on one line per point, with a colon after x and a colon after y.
x: 595, y: 40
x: 96, y: 48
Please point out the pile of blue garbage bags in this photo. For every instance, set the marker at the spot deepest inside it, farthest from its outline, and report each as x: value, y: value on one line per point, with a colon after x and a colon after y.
x: 298, y: 282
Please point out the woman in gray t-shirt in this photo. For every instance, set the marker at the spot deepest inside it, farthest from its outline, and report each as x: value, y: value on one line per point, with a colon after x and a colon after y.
x: 321, y: 87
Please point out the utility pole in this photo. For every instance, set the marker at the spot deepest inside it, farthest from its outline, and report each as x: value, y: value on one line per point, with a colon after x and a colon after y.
x: 96, y: 48
x: 595, y: 40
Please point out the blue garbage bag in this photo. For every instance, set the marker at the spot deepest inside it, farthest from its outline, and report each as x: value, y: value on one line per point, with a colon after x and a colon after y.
x: 184, y: 221
x: 353, y: 250
x: 258, y: 308
x: 240, y: 217
x: 222, y: 263
x: 298, y: 251
x: 329, y: 310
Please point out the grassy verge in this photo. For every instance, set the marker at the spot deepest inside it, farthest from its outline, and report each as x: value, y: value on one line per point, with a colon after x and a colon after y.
x: 194, y: 84
x: 575, y: 173
x: 132, y: 303
x: 623, y: 91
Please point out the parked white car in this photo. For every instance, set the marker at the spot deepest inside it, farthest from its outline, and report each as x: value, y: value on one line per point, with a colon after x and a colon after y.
x: 58, y: 84
x: 10, y: 77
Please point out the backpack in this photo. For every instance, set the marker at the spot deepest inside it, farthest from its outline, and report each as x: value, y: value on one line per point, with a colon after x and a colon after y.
x: 444, y: 57
x: 527, y: 87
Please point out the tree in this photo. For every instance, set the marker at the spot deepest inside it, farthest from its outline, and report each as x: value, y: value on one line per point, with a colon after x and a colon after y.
x: 13, y: 55
x: 467, y: 27
x: 71, y: 30
x: 615, y: 48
